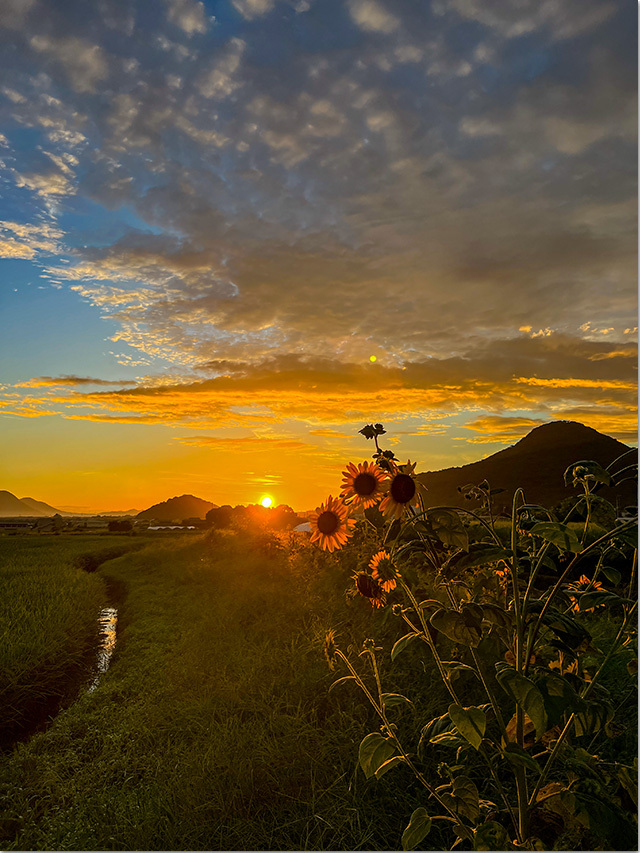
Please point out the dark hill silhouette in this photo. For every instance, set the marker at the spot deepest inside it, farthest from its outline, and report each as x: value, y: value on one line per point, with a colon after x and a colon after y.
x: 536, y: 464
x: 42, y: 508
x: 175, y: 509
x: 13, y: 507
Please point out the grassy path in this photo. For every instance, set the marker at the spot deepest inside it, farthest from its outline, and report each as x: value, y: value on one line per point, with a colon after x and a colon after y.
x: 212, y: 729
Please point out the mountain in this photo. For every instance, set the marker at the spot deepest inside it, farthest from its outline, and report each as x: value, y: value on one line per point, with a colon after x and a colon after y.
x: 13, y: 507
x: 41, y: 508
x: 536, y: 464
x: 175, y: 509
x: 118, y: 512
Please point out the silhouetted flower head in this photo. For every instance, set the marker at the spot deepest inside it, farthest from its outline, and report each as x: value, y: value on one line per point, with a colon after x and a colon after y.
x: 364, y: 483
x: 580, y: 586
x: 330, y: 524
x: 368, y: 587
x: 403, y: 491
x: 384, y: 571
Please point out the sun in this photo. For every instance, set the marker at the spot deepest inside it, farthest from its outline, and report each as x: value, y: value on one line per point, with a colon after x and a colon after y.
x: 266, y: 501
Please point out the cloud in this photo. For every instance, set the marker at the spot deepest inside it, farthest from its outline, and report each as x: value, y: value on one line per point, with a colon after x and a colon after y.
x: 54, y: 381
x: 13, y: 249
x: 251, y: 9
x: 85, y: 64
x: 564, y: 18
x: 620, y: 422
x: 220, y: 79
x: 45, y: 185
x: 600, y: 384
x: 324, y: 393
x: 630, y: 352
x: 13, y: 13
x: 189, y: 15
x: 248, y: 444
x: 501, y: 428
x: 372, y: 16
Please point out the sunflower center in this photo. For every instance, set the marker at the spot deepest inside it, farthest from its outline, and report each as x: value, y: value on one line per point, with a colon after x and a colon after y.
x: 367, y: 586
x: 328, y: 522
x: 365, y: 484
x: 403, y: 488
x: 386, y: 570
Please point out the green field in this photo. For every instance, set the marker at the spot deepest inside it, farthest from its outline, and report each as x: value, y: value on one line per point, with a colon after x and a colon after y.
x: 213, y: 727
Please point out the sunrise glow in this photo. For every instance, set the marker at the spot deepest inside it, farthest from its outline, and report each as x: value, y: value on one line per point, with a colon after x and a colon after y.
x: 266, y: 501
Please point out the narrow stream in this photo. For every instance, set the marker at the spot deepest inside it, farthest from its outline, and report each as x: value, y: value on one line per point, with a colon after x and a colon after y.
x: 85, y: 676
x: 107, y: 626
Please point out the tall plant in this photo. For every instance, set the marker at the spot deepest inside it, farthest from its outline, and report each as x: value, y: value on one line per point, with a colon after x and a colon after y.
x: 525, y: 593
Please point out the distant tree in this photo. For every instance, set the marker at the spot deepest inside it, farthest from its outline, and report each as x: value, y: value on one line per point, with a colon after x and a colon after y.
x: 120, y: 525
x: 252, y: 517
x: 220, y: 517
x: 284, y: 518
x: 198, y: 523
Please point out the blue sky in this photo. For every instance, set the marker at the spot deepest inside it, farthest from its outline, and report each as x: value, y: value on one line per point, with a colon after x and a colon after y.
x: 214, y: 213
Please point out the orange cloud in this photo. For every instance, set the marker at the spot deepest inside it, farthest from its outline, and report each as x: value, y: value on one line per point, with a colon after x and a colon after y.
x: 249, y: 444
x: 578, y: 383
x: 504, y: 429
x: 53, y: 381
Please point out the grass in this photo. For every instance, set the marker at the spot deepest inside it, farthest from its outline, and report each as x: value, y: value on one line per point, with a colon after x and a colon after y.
x: 213, y: 728
x: 48, y: 613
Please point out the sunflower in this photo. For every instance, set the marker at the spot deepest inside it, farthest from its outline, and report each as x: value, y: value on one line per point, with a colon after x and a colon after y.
x: 580, y: 586
x: 403, y: 491
x: 369, y: 587
x: 330, y: 524
x: 365, y: 483
x: 384, y: 571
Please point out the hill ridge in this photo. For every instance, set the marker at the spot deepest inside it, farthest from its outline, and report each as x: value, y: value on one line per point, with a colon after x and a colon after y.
x: 177, y: 508
x: 536, y: 463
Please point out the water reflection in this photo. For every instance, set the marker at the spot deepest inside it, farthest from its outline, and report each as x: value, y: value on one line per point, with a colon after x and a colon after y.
x: 107, y: 623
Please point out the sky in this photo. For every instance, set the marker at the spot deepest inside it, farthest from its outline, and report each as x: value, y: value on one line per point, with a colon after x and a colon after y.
x: 235, y: 231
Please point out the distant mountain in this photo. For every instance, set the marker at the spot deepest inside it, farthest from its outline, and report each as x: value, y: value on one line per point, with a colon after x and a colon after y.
x: 175, y: 509
x: 118, y: 512
x: 536, y: 464
x: 13, y: 507
x: 41, y: 508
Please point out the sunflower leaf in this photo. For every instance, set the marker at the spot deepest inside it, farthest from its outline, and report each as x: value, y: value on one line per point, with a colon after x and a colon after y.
x: 402, y: 643
x: 341, y: 681
x: 479, y: 554
x: 464, y: 798
x: 491, y: 836
x: 389, y: 765
x: 393, y: 700
x: 457, y: 627
x: 448, y: 527
x: 417, y: 829
x: 470, y: 722
x: 374, y: 751
x: 558, y: 534
x: 596, y: 597
x: 526, y: 694
x: 434, y: 727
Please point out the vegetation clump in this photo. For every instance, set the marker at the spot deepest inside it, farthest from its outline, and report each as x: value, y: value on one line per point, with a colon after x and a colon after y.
x: 513, y: 620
